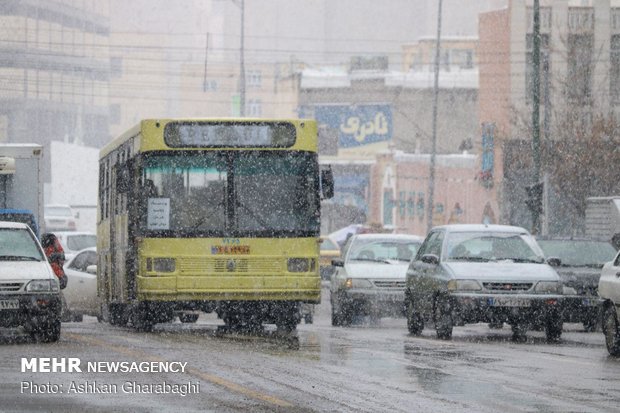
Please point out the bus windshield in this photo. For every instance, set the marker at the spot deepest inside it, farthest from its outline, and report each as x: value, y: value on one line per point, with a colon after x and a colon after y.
x: 232, y: 193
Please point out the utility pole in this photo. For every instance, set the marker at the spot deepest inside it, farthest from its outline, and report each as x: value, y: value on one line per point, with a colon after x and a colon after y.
x: 431, y: 178
x: 536, y: 212
x: 242, y: 63
x: 204, y: 80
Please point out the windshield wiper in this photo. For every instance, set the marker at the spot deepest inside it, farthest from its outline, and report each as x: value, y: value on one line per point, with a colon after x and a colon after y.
x: 202, y: 220
x: 527, y: 260
x: 475, y: 259
x: 17, y: 258
x: 252, y: 214
x: 371, y: 260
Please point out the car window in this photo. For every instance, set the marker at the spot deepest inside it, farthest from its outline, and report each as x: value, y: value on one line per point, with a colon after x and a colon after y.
x: 83, y: 260
x: 383, y: 249
x: 579, y: 252
x: 328, y: 244
x: 80, y: 242
x: 431, y: 245
x: 617, y: 260
x: 17, y: 243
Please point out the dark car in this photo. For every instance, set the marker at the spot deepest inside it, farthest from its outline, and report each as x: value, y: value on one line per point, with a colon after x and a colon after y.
x: 581, y: 260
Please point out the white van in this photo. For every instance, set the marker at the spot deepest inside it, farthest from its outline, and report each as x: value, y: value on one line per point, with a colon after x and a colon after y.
x: 29, y: 290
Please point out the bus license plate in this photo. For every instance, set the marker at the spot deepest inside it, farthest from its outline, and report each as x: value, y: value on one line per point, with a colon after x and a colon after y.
x: 508, y: 302
x: 9, y: 305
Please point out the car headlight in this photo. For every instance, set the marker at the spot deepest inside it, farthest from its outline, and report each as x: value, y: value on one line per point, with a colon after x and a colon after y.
x: 357, y: 283
x: 553, y: 287
x: 300, y: 264
x: 464, y: 285
x: 42, y: 286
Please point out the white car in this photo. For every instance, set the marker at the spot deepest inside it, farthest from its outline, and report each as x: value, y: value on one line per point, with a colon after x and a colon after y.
x: 482, y: 273
x: 371, y: 278
x: 609, y: 291
x: 74, y: 241
x: 80, y: 296
x: 59, y: 217
x: 29, y: 290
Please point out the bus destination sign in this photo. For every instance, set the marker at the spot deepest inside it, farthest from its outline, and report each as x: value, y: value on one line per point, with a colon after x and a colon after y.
x: 229, y: 134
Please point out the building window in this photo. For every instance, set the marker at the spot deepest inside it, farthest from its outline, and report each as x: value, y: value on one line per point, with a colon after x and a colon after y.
x: 614, y: 74
x: 254, y: 78
x: 254, y: 108
x: 545, y: 67
x: 580, y: 67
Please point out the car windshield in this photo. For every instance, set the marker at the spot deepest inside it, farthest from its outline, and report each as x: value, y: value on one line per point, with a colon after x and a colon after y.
x: 382, y: 250
x: 493, y: 246
x: 579, y: 253
x: 79, y: 242
x: 18, y: 244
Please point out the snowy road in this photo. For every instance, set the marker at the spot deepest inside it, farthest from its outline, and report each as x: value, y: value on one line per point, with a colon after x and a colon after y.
x: 320, y: 368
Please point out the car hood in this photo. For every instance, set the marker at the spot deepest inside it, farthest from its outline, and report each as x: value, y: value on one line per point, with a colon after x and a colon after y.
x: 25, y: 270
x: 579, y: 277
x: 376, y: 270
x: 502, y: 271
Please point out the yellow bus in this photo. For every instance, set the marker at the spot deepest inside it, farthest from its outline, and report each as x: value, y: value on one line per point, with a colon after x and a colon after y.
x: 210, y: 215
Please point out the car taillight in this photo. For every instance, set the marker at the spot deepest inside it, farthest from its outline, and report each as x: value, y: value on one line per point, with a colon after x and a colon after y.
x: 72, y: 225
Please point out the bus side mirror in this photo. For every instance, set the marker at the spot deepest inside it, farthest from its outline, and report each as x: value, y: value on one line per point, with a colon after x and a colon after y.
x: 327, y: 184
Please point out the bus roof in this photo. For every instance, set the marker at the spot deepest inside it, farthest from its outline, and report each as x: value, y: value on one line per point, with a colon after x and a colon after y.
x: 147, y: 124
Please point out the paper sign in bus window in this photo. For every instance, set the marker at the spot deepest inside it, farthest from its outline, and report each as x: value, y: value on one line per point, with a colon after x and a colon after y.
x: 158, y: 214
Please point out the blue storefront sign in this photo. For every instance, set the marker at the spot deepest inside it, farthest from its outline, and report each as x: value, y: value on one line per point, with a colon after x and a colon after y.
x: 357, y: 125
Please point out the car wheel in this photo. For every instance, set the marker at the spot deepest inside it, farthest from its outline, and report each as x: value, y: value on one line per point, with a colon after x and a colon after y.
x: 335, y: 313
x: 308, y: 318
x: 611, y: 331
x: 590, y: 325
x: 442, y: 316
x: 415, y: 322
x: 553, y: 327
x: 519, y: 330
x: 47, y: 332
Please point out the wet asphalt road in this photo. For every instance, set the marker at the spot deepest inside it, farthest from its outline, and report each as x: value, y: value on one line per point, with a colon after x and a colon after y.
x: 366, y: 367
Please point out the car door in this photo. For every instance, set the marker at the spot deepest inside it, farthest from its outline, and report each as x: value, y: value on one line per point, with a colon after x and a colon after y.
x: 422, y: 277
x: 609, y: 283
x: 81, y: 291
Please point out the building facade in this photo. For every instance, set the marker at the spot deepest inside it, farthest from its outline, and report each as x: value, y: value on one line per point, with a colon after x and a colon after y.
x: 579, y: 81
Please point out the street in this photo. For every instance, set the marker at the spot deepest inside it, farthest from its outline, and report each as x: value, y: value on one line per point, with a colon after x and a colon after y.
x: 320, y: 368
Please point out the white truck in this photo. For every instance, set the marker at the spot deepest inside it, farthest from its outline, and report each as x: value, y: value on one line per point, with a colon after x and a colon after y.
x: 21, y: 184
x: 602, y: 217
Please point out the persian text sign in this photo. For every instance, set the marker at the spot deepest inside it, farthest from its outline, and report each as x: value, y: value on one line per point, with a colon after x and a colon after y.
x: 357, y: 125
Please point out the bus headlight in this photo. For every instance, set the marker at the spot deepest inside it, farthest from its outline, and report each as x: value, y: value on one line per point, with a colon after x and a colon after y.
x: 552, y: 287
x: 300, y: 264
x: 161, y: 264
x: 464, y: 285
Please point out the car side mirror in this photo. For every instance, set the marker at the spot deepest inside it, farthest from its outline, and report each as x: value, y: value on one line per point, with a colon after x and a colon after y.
x: 338, y: 262
x: 91, y: 269
x: 554, y: 261
x: 430, y: 259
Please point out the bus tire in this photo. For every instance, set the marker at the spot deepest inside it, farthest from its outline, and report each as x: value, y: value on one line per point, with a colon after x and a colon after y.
x: 141, y: 318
